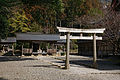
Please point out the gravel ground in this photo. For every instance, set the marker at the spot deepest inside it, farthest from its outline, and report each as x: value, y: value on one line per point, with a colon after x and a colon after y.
x: 30, y: 68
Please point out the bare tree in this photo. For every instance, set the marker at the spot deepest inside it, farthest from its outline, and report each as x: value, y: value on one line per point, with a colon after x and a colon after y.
x: 110, y: 21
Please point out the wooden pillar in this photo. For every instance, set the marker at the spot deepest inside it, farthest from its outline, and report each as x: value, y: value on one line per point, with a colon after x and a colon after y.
x: 94, y: 51
x: 13, y: 49
x: 47, y: 47
x: 32, y: 49
x: 22, y: 49
x: 64, y: 48
x: 56, y: 46
x: 58, y: 54
x: 3, y: 49
x: 81, y: 34
x: 67, y: 65
x: 39, y: 51
x: 39, y: 47
x: 60, y: 23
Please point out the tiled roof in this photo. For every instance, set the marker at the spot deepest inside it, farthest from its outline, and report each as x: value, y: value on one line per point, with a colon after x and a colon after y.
x: 8, y: 40
x: 37, y: 37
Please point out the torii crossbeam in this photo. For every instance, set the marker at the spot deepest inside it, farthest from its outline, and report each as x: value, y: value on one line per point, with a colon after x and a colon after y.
x: 81, y: 31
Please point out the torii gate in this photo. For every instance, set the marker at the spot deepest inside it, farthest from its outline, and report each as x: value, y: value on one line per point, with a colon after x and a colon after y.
x: 81, y: 31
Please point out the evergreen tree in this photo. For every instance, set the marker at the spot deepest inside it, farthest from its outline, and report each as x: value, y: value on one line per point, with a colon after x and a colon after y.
x: 3, y: 19
x: 5, y: 11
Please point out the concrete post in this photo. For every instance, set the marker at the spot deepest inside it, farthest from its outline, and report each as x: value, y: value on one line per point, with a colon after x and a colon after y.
x: 67, y: 65
x: 94, y: 51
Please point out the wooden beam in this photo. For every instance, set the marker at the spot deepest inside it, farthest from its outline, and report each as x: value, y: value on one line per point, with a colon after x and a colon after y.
x: 82, y: 37
x: 67, y: 65
x: 73, y: 30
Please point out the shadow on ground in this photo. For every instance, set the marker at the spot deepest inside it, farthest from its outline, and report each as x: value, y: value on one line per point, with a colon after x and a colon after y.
x: 101, y: 65
x: 13, y: 58
x: 2, y: 78
x: 7, y: 54
x: 40, y: 66
x: 106, y: 63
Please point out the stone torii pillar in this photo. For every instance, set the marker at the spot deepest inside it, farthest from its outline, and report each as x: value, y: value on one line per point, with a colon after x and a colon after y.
x: 67, y: 65
x: 94, y: 51
x: 81, y: 31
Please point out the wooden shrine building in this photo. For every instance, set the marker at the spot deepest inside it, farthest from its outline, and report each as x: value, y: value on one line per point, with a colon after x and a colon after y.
x: 6, y: 43
x: 35, y: 39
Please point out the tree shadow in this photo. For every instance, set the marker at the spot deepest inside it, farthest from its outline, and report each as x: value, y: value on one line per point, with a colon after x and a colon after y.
x: 104, y: 63
x: 3, y: 78
x: 42, y: 66
x: 101, y: 64
x: 13, y: 58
